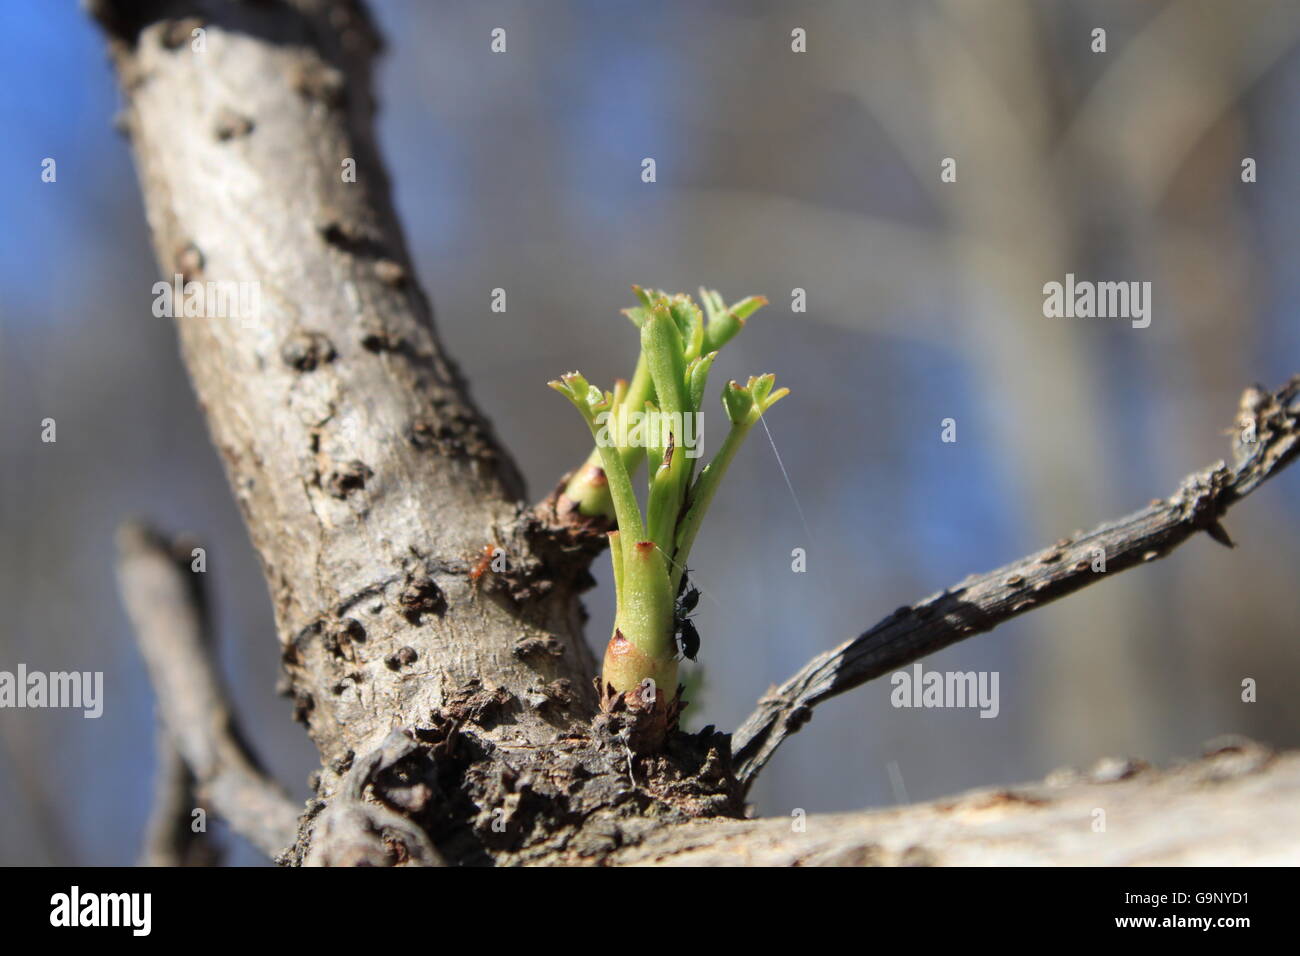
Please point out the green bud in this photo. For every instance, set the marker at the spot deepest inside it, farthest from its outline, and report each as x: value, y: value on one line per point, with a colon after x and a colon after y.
x: 738, y: 403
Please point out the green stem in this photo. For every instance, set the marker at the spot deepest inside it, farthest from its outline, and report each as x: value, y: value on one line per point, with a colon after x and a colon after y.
x: 661, y: 343
x: 702, y: 496
x: 593, y: 496
x: 642, y: 645
x: 664, y: 504
x: 646, y: 615
x: 626, y: 510
x: 616, y: 558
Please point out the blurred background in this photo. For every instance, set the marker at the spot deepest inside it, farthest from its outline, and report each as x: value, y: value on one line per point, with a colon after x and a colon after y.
x: 776, y: 171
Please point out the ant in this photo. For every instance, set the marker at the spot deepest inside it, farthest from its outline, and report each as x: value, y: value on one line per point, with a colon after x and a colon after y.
x: 687, y: 598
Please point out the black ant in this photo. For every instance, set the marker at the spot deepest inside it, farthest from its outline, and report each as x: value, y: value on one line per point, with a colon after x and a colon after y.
x: 687, y: 598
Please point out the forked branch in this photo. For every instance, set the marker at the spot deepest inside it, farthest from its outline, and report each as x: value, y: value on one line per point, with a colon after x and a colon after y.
x: 192, y: 706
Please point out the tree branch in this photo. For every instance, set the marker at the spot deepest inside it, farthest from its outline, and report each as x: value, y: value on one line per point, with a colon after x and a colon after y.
x: 191, y: 702
x: 369, y: 481
x: 170, y: 838
x: 983, y: 601
x: 1237, y: 805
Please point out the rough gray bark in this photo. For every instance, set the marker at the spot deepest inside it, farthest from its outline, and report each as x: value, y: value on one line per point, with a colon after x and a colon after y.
x: 1238, y: 805
x: 371, y: 485
x: 369, y: 482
